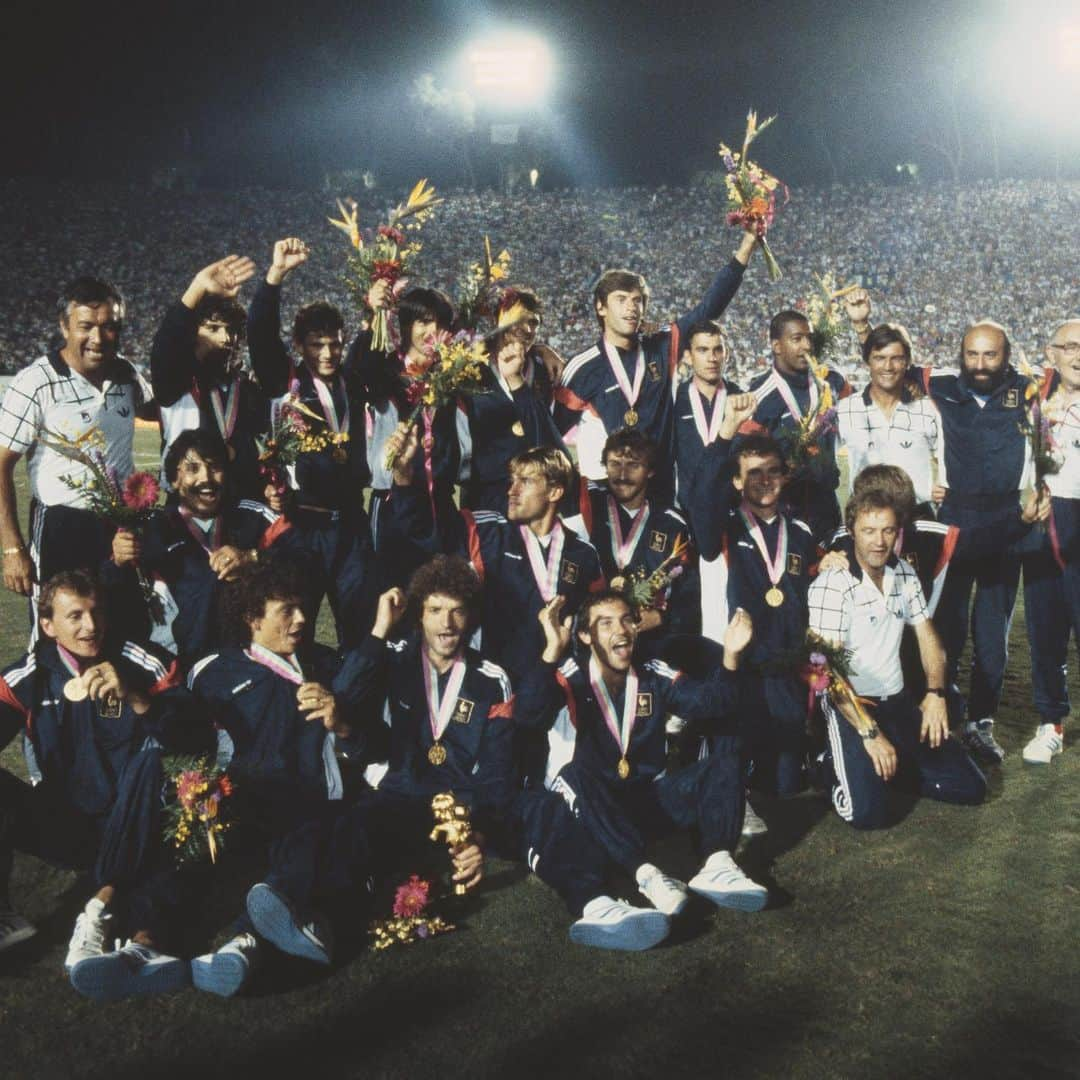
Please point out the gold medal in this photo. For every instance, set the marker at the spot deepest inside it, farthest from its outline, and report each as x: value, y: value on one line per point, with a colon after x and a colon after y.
x: 618, y: 583
x: 518, y: 428
x: 630, y: 417
x: 624, y: 768
x: 74, y: 690
x: 774, y: 597
x: 437, y: 754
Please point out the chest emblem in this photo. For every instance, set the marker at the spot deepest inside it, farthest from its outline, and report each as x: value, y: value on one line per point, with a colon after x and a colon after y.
x: 569, y: 573
x: 1012, y: 399
x: 657, y: 540
x: 644, y: 704
x: 463, y: 711
x: 794, y: 564
x: 654, y: 371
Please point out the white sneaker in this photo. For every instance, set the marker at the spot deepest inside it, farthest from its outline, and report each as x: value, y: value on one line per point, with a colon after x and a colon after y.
x: 722, y: 882
x: 226, y: 971
x: 615, y: 924
x: 133, y: 969
x: 1046, y: 745
x: 90, y: 935
x: 978, y: 739
x: 666, y: 894
x: 14, y: 929
x: 753, y: 824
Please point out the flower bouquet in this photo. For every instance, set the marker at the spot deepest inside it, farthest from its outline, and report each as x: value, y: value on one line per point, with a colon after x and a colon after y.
x: 126, y: 505
x: 801, y: 441
x: 752, y: 191
x: 645, y: 591
x: 389, y: 255
x: 194, y: 815
x: 479, y: 291
x: 294, y: 430
x: 823, y: 311
x: 409, y: 923
x: 1037, y: 427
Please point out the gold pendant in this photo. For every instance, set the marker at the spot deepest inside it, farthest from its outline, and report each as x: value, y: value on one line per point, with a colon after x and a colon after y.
x: 624, y: 768
x: 774, y: 597
x: 74, y: 690
x: 518, y: 428
x: 631, y: 417
x: 437, y: 754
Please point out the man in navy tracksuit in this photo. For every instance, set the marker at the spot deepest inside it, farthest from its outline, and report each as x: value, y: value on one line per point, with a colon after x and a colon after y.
x: 700, y: 401
x: 757, y: 558
x: 326, y: 501
x: 284, y: 714
x: 199, y: 379
x: 787, y: 393
x: 636, y: 536
x: 189, y: 550
x: 608, y: 751
x: 986, y: 463
x: 95, y: 714
x: 626, y: 379
x: 1052, y: 571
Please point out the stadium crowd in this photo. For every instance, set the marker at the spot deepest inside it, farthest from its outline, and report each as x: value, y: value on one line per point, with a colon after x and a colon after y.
x: 580, y: 588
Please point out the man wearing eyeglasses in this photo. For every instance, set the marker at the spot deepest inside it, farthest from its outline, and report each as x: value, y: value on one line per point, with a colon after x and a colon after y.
x: 1052, y: 573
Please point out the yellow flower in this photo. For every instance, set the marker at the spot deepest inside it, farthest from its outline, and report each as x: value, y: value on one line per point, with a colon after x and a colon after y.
x: 348, y: 223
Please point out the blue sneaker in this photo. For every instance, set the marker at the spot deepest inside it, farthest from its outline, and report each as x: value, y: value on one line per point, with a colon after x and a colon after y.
x: 226, y: 971
x: 274, y: 918
x: 134, y: 969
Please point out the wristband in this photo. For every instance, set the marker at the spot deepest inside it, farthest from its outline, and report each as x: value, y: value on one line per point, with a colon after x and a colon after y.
x: 870, y: 733
x: 935, y: 690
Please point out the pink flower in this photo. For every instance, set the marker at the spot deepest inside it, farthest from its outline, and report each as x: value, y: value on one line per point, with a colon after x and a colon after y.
x: 140, y: 491
x: 411, y: 898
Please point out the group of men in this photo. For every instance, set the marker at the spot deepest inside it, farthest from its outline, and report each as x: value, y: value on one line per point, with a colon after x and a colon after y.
x: 586, y: 657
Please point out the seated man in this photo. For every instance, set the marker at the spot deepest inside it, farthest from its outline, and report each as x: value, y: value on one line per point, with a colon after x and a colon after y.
x: 284, y: 716
x: 190, y: 549
x: 608, y: 752
x: 864, y: 609
x: 635, y: 536
x: 94, y: 717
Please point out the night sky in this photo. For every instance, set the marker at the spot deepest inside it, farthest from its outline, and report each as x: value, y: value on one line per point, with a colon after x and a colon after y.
x: 276, y: 97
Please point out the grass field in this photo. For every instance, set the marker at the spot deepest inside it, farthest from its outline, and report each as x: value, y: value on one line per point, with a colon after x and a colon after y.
x: 948, y: 946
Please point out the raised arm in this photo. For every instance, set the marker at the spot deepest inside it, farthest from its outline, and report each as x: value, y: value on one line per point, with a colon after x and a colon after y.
x: 270, y: 357
x: 723, y: 288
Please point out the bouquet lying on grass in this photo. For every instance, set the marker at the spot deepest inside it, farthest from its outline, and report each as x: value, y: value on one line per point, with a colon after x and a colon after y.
x: 196, y: 814
x: 456, y: 369
x: 294, y: 430
x: 409, y: 923
x: 645, y: 591
x: 479, y: 290
x: 752, y: 191
x: 389, y: 255
x: 128, y: 505
x: 825, y: 668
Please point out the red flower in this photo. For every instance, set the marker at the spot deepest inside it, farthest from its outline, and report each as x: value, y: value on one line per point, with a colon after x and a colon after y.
x: 140, y: 491
x: 391, y: 233
x: 225, y: 786
x: 385, y: 270
x: 411, y: 898
x: 415, y: 391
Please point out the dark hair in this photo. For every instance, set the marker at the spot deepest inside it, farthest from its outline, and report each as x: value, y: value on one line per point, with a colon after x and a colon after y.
x: 552, y: 464
x: 1006, y: 349
x: 886, y: 334
x: 420, y: 305
x: 870, y: 498
x: 224, y: 309
x: 79, y: 582
x: 782, y: 319
x: 207, y: 444
x: 244, y: 599
x: 759, y: 446
x: 448, y: 575
x: 632, y: 441
x: 618, y: 281
x: 528, y: 299
x: 893, y: 481
x: 593, y: 600
x: 703, y: 326
x: 90, y: 292
x: 319, y: 317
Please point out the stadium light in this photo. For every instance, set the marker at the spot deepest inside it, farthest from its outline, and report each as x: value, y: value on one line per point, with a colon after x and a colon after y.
x: 508, y: 69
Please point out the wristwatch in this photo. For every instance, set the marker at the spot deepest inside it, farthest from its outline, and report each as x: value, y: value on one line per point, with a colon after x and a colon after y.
x: 935, y: 690
x: 870, y: 733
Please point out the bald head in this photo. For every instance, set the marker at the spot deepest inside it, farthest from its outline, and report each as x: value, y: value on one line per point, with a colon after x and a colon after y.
x: 1063, y: 353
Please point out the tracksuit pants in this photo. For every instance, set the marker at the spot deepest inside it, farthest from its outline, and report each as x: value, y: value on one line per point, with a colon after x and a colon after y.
x: 946, y: 773
x: 622, y: 816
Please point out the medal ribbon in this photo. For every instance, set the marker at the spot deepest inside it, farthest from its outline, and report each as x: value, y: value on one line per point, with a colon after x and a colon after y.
x: 623, y: 550
x: 326, y: 400
x: 198, y: 534
x: 788, y: 396
x: 226, y: 409
x: 774, y: 567
x: 546, y: 574
x: 285, y: 666
x: 439, y: 712
x: 709, y: 431
x: 69, y: 661
x: 616, y: 364
x: 621, y: 733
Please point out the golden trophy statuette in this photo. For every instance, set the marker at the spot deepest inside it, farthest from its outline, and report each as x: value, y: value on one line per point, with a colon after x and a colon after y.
x: 452, y: 826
